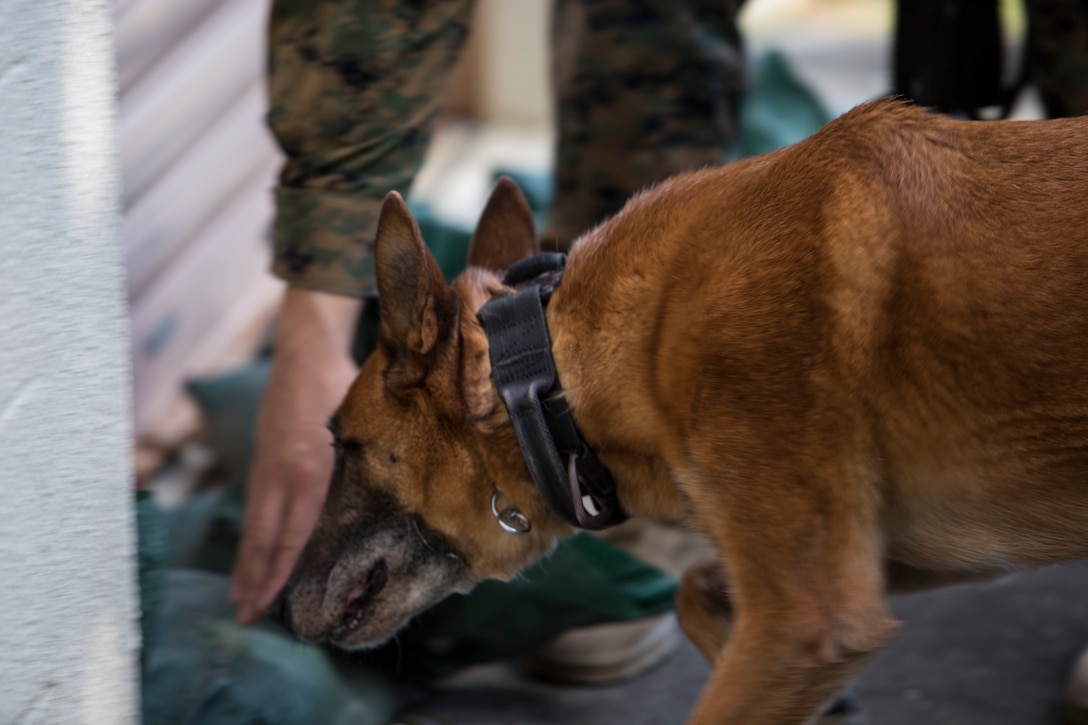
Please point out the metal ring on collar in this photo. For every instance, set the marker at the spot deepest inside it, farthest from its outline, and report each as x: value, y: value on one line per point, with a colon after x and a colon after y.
x: 512, y: 521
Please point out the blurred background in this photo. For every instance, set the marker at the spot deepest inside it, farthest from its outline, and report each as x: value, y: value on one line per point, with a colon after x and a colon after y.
x: 198, y: 163
x: 198, y: 168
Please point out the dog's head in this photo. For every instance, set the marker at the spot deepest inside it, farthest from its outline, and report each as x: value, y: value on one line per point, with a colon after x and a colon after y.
x: 423, y: 447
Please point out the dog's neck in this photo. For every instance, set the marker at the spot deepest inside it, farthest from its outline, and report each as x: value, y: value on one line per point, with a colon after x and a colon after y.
x: 601, y: 319
x: 643, y: 481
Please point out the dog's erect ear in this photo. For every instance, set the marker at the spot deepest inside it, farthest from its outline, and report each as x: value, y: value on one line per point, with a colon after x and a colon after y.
x: 506, y: 232
x: 418, y: 308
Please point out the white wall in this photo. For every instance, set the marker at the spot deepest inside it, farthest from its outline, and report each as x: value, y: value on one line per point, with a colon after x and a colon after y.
x: 197, y: 167
x: 68, y: 615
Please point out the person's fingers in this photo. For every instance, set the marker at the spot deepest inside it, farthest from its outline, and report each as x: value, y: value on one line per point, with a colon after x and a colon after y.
x: 261, y: 528
x: 292, y: 462
x: 302, y: 516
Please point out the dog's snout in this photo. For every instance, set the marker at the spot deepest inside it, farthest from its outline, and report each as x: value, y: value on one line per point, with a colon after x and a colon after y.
x: 373, y: 584
x: 360, y: 597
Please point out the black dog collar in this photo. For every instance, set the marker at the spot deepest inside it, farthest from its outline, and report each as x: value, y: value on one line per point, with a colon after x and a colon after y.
x: 570, y: 478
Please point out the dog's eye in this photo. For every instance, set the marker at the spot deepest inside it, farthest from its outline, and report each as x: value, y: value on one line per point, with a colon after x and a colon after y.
x: 349, y: 445
x: 394, y: 458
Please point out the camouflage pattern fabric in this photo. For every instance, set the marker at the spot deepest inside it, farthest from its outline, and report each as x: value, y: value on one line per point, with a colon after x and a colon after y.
x: 355, y: 87
x: 645, y: 88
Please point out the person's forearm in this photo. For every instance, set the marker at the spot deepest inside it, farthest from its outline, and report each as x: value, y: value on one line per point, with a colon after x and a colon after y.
x: 316, y: 323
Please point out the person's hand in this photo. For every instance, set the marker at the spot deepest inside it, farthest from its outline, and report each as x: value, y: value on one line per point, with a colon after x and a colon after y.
x: 289, y: 478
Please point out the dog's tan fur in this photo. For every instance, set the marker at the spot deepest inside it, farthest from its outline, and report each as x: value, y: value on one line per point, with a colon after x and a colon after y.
x: 857, y: 364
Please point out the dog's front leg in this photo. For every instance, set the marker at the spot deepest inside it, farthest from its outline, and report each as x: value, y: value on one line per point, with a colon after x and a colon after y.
x: 783, y: 669
x: 807, y: 589
x: 704, y: 609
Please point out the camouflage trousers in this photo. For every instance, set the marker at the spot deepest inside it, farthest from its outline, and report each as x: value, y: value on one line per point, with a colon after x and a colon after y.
x: 647, y: 89
x: 643, y: 89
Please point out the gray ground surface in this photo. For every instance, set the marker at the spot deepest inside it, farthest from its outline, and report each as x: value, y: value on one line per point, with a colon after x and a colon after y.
x: 996, y: 654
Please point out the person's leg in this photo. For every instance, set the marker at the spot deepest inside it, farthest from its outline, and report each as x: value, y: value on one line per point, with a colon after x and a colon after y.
x: 643, y: 90
x: 1059, y: 54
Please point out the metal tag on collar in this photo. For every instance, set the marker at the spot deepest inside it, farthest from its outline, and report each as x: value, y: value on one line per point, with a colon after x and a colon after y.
x: 511, y: 520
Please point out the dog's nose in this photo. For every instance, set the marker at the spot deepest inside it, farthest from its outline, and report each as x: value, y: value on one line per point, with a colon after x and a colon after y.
x: 280, y: 610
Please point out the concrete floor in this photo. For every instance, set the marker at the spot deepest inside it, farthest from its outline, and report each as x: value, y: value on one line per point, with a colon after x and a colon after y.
x: 996, y: 654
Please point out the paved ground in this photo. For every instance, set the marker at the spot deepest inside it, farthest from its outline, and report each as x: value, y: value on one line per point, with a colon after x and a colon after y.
x: 996, y: 654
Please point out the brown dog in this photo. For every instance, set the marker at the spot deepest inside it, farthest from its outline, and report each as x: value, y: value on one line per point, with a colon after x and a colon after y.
x: 856, y: 365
